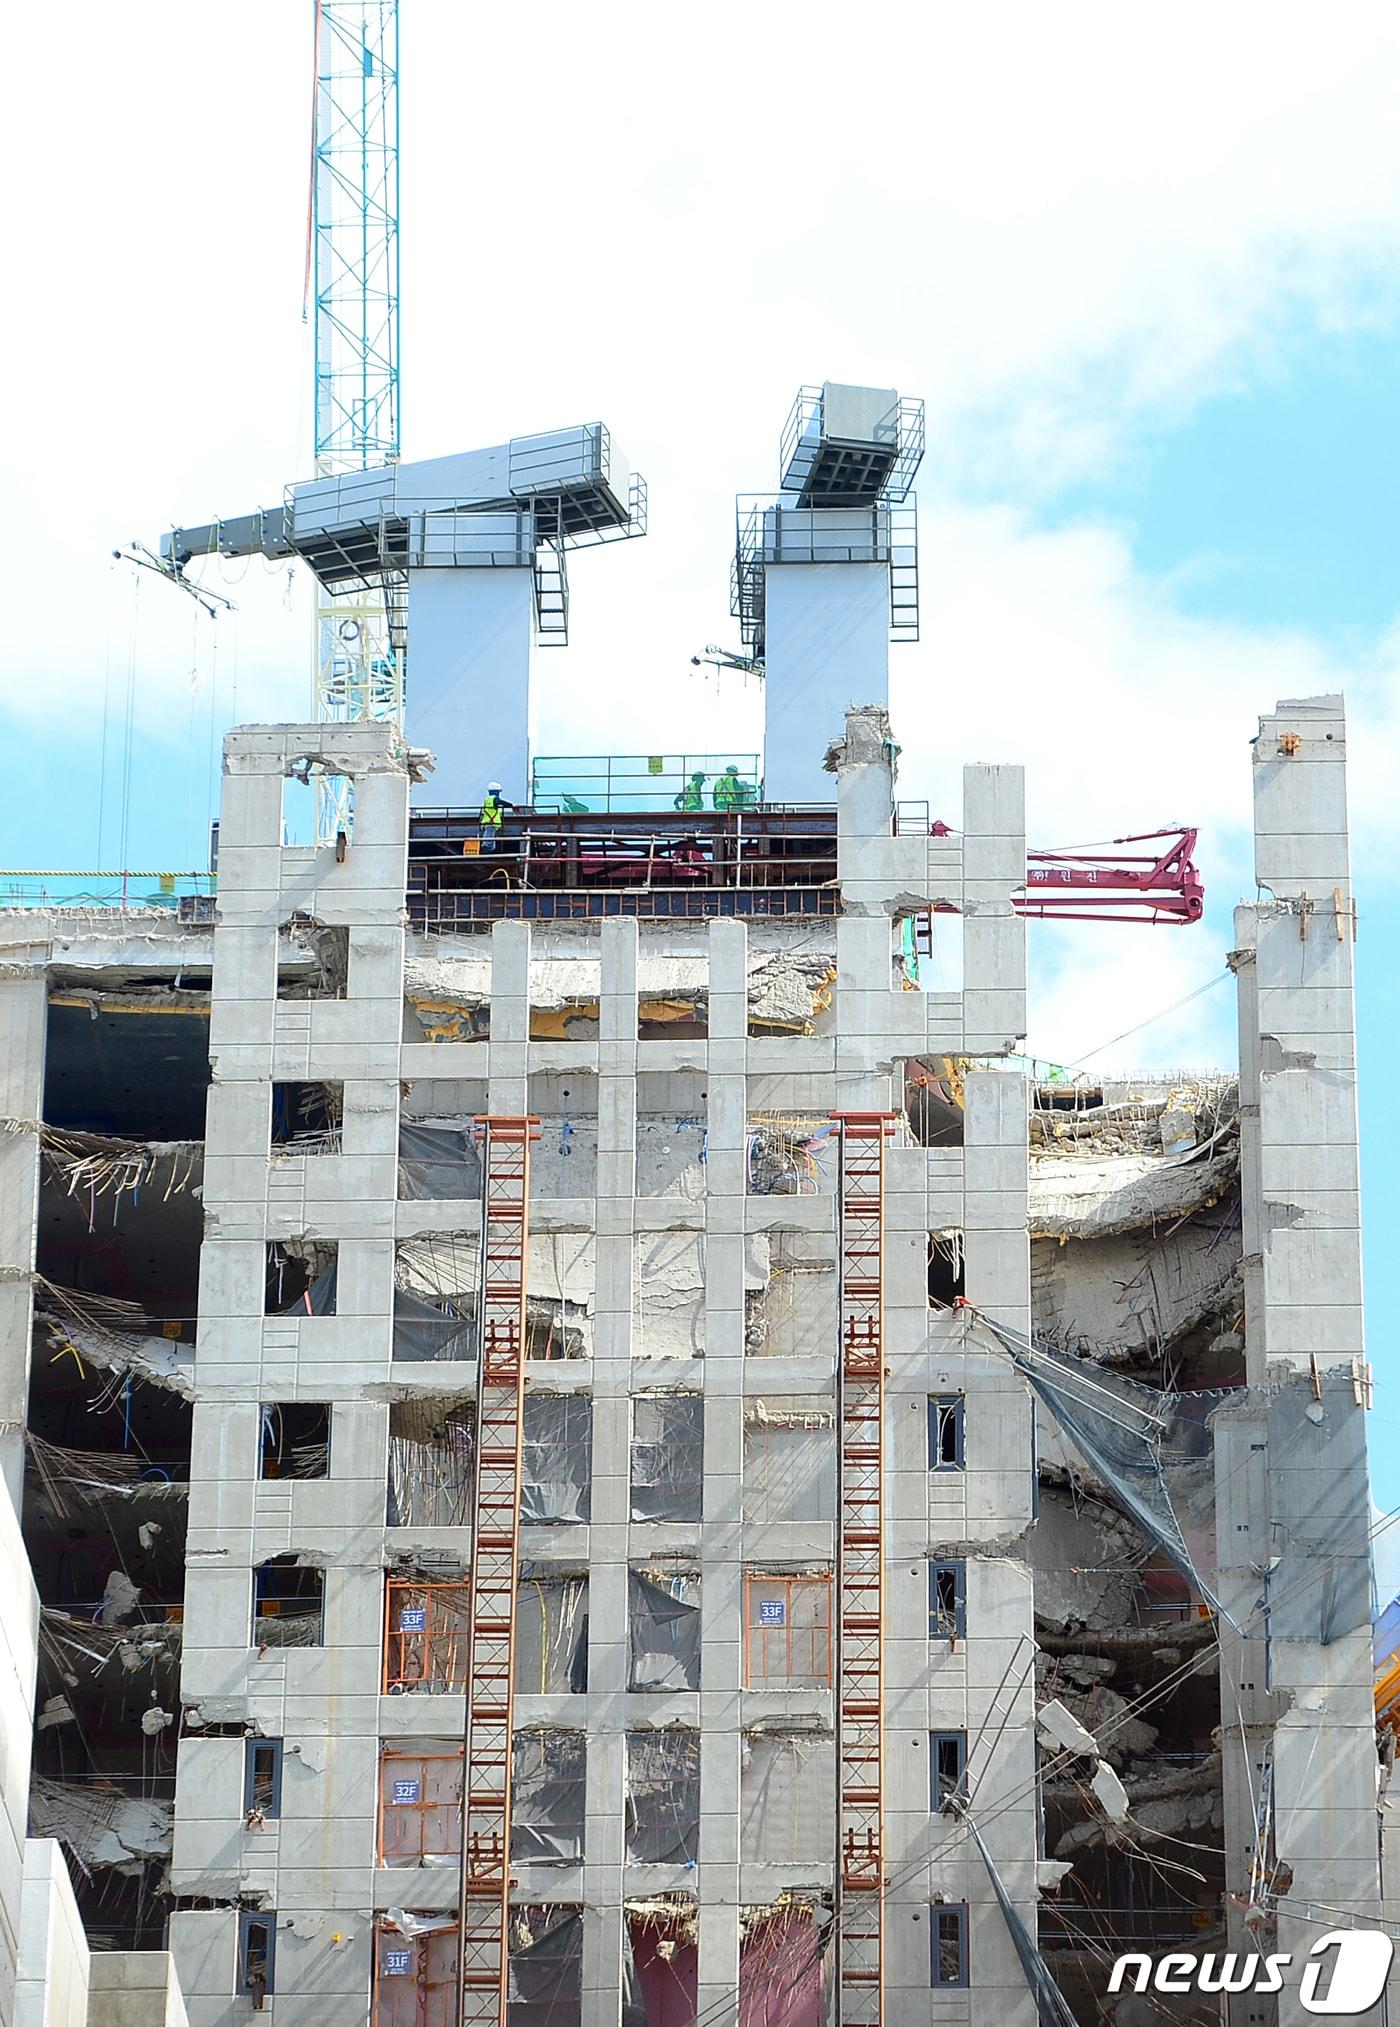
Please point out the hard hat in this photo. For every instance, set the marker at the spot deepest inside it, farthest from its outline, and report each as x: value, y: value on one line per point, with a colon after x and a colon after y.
x: 493, y: 788
x: 697, y: 776
x: 733, y: 767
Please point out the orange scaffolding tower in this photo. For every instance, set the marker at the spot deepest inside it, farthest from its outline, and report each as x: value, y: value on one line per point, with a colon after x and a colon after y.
x: 484, y: 1930
x: 860, y: 1572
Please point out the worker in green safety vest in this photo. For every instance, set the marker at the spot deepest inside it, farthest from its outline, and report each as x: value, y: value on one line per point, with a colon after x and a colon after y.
x: 692, y: 796
x: 731, y: 792
x: 492, y: 813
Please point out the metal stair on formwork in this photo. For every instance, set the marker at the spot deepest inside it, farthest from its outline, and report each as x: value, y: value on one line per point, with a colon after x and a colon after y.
x: 551, y: 594
x: 860, y: 1878
x: 495, y: 1557
x: 904, y: 572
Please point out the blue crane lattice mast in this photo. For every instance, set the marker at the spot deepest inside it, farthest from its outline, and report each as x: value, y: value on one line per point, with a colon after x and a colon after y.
x: 355, y: 290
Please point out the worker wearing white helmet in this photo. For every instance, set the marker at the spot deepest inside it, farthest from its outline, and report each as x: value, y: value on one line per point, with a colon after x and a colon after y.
x: 492, y: 813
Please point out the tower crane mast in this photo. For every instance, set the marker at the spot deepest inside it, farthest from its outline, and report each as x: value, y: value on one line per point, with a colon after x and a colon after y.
x: 353, y: 285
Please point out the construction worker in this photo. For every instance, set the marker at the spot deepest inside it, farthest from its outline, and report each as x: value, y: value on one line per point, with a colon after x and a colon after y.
x: 731, y: 792
x: 492, y: 814
x: 692, y: 796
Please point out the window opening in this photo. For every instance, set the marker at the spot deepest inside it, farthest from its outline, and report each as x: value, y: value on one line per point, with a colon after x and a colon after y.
x: 667, y: 1456
x: 946, y: 1268
x: 416, y: 1978
x: 289, y: 1601
x: 256, y: 1952
x: 945, y: 1432
x: 947, y: 1767
x: 426, y: 1629
x: 949, y: 1944
x: 300, y: 1278
x: 296, y: 1440
x: 787, y: 1630
x: 947, y: 1600
x: 262, y: 1778
x: 420, y: 1801
x: 306, y: 1118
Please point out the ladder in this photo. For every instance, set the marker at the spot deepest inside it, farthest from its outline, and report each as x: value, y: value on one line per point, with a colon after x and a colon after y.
x: 484, y: 1909
x: 551, y: 593
x: 860, y: 1385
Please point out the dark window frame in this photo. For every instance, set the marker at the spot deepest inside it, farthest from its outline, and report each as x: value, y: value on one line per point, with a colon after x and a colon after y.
x: 248, y: 1920
x: 955, y: 1570
x: 946, y: 1787
x: 946, y: 1412
x: 942, y: 1915
x: 252, y: 1748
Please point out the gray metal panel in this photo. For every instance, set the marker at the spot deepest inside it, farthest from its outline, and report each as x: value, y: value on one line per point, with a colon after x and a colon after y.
x: 826, y: 535
x: 863, y: 415
x: 456, y: 541
x: 559, y: 459
x: 466, y: 478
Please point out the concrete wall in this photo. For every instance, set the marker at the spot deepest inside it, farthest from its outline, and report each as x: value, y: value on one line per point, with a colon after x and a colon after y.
x: 19, y: 1635
x: 828, y: 647
x: 52, y: 1986
x: 134, y: 1988
x: 467, y: 694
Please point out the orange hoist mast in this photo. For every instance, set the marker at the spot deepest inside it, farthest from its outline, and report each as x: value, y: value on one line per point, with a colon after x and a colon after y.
x: 484, y: 1910
x: 860, y: 1572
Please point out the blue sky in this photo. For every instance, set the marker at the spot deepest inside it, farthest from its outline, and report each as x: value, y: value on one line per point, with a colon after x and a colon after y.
x: 1149, y: 288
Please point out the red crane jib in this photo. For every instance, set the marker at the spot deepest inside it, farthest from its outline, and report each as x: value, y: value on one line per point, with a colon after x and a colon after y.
x: 1125, y: 887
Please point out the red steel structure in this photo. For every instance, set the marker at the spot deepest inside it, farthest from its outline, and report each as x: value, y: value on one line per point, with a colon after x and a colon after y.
x: 484, y: 1931
x: 860, y: 1571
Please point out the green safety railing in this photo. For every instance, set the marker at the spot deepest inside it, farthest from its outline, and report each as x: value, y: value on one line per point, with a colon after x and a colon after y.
x: 25, y: 889
x: 579, y: 784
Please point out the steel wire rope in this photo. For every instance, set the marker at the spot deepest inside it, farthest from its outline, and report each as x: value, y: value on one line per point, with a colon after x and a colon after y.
x: 1078, y: 1062
x: 1145, y: 1701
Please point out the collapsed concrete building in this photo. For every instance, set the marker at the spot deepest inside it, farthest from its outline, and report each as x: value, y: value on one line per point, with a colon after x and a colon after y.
x: 598, y: 1446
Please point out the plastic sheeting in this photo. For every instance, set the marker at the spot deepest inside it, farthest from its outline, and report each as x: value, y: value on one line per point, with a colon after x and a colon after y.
x: 557, y: 1467
x: 780, y: 1972
x: 427, y: 1331
x: 430, y: 1467
x: 663, y: 1797
x: 1154, y: 1452
x: 1320, y: 1588
x: 546, y: 1977
x: 667, y: 1456
x: 547, y: 1797
x: 666, y: 1963
x: 789, y: 1467
x: 663, y: 1633
x: 438, y: 1163
x: 551, y: 1636
x: 786, y: 1784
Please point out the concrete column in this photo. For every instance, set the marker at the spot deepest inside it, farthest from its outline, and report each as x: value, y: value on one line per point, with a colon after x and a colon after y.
x: 24, y: 1007
x: 1304, y: 1330
x: 609, y: 1531
x: 721, y: 1536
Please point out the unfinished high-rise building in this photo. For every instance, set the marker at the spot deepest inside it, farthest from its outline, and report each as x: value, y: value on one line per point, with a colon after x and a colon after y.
x: 600, y: 1448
